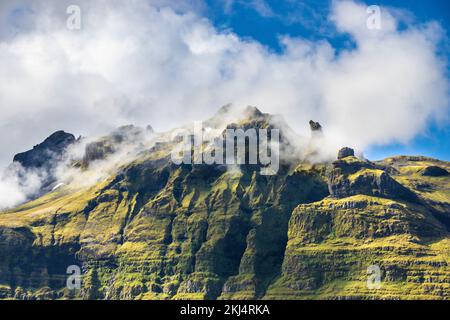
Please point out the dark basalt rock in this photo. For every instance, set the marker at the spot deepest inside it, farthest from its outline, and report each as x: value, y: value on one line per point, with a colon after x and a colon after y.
x: 350, y: 167
x: 363, y: 177
x: 46, y: 153
x: 44, y: 158
x: 346, y: 152
x: 315, y: 126
x: 316, y: 130
x: 97, y: 150
x: 434, y: 171
x: 107, y: 145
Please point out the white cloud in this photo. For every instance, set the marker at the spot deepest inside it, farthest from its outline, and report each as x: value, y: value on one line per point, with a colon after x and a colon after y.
x: 15, y: 190
x: 148, y: 62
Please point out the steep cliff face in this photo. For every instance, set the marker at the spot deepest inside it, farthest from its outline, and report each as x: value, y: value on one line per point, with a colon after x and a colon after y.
x: 156, y: 230
x: 335, y: 241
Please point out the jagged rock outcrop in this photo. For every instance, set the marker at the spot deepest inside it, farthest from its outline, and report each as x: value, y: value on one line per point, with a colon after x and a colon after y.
x: 97, y: 150
x: 45, y: 154
x: 127, y: 136
x: 346, y: 152
x: 42, y: 161
x: 351, y: 176
x: 315, y: 126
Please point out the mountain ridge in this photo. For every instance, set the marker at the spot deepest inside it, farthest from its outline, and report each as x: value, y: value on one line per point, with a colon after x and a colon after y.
x: 156, y: 230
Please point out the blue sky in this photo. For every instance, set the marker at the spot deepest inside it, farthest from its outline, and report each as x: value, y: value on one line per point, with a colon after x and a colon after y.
x: 265, y: 21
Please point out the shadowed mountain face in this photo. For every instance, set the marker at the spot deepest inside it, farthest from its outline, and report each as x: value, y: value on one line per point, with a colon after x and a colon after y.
x: 156, y: 230
x: 46, y: 153
x: 43, y: 159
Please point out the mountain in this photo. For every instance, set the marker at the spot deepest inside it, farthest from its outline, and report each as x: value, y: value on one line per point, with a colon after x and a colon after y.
x: 47, y: 152
x: 45, y: 156
x: 152, y: 229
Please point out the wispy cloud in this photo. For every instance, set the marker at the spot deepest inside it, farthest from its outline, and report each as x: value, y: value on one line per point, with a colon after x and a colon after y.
x: 262, y: 7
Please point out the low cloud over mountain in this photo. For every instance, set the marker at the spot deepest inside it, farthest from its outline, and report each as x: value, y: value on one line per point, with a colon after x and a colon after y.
x: 120, y: 68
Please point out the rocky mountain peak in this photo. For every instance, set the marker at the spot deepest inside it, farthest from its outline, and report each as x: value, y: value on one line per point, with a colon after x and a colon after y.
x: 252, y: 112
x: 45, y: 153
x: 346, y: 152
x: 230, y: 114
x: 316, y: 129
